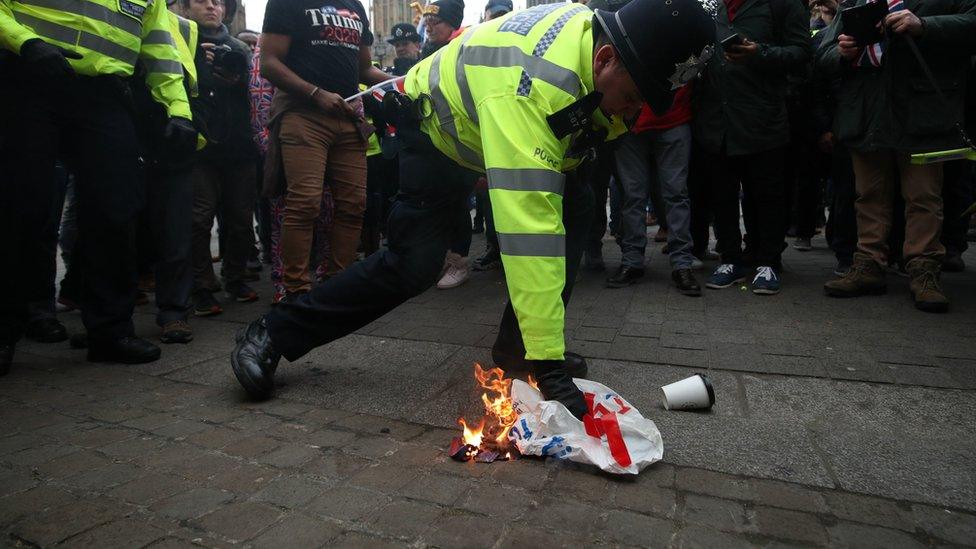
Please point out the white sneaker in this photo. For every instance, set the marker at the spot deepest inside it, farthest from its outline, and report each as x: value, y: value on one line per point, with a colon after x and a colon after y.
x: 457, y: 272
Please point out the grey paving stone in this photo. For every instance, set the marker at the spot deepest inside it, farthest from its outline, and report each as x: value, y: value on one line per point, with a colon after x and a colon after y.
x: 60, y: 523
x: 694, y: 536
x: 346, y: 503
x: 945, y: 524
x: 357, y: 540
x: 239, y: 521
x: 571, y: 517
x: 251, y: 447
x: 246, y: 478
x: 721, y: 514
x: 869, y: 510
x: 149, y: 488
x: 290, y: 455
x: 496, y: 501
x: 441, y: 489
x: 384, y: 476
x: 789, y: 525
x: 299, y: 531
x: 459, y: 530
x: 120, y: 533
x: 292, y: 492
x: 191, y: 504
x: 34, y: 502
x: 638, y: 530
x: 860, y: 535
x: 526, y: 535
x: 404, y: 519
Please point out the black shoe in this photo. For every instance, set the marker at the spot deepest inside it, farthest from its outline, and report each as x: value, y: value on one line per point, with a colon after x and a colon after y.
x: 127, y: 350
x: 254, y: 360
x: 206, y: 304
x: 556, y: 383
x: 491, y: 260
x: 685, y: 281
x: 624, y: 277
x: 46, y: 330
x: 6, y: 358
x: 79, y: 341
x: 572, y: 362
x: 241, y: 292
x: 953, y: 263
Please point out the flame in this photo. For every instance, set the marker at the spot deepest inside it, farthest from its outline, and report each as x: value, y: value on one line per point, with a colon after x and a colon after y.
x: 532, y: 382
x: 500, y: 407
x: 472, y: 436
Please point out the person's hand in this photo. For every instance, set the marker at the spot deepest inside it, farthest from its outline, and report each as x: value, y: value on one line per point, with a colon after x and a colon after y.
x: 826, y: 142
x: 739, y: 53
x: 904, y: 21
x: 848, y: 47
x: 180, y: 137
x: 334, y: 104
x: 208, y: 48
x: 227, y: 78
x: 48, y: 61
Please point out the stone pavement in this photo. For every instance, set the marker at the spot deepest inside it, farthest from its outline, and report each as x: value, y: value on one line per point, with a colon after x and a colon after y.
x: 838, y: 422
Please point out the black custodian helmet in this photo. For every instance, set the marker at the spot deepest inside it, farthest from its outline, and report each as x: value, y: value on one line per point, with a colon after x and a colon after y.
x: 663, y: 43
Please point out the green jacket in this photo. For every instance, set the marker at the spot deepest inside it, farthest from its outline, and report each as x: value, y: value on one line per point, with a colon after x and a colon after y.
x: 743, y: 106
x: 491, y: 92
x: 895, y: 106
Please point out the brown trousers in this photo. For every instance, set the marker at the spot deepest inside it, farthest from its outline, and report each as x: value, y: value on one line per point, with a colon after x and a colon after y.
x: 877, y: 175
x: 317, y: 150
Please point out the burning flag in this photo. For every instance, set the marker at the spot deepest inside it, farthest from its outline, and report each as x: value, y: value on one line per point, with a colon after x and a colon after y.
x: 489, y: 441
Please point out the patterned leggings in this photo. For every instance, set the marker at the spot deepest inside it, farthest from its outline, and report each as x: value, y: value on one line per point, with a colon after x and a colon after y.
x: 320, y: 244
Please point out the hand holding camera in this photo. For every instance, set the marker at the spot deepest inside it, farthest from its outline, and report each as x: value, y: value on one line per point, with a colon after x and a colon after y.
x: 228, y: 65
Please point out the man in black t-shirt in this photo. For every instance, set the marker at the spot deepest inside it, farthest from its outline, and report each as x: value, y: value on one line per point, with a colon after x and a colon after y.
x: 316, y: 52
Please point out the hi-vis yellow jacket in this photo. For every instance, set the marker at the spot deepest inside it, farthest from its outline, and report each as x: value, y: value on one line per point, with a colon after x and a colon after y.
x: 111, y: 36
x: 491, y: 90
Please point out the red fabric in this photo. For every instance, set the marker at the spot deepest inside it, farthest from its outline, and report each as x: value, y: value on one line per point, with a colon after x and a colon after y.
x: 678, y: 114
x: 732, y: 6
x: 457, y: 33
x: 600, y: 422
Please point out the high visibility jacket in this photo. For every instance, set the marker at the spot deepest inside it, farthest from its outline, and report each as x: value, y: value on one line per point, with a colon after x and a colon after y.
x: 111, y: 36
x: 491, y: 90
x: 185, y: 35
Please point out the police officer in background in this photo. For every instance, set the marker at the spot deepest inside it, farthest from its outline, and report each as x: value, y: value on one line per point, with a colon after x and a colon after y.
x: 406, y: 42
x: 64, y: 97
x: 534, y: 88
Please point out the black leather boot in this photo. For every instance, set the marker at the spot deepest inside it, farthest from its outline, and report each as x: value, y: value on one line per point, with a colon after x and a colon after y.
x: 625, y: 276
x: 685, y: 281
x: 46, y: 330
x: 126, y: 350
x: 254, y: 360
x: 556, y: 383
x: 513, y: 366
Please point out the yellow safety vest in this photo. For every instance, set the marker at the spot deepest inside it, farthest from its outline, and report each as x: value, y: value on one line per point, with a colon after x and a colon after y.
x: 111, y: 36
x: 491, y: 90
x: 186, y: 47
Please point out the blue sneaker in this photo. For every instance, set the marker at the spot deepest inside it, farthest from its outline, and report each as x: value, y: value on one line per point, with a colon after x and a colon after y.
x: 726, y: 275
x: 766, y: 282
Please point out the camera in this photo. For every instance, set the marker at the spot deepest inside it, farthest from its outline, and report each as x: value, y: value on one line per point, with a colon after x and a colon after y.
x: 228, y: 61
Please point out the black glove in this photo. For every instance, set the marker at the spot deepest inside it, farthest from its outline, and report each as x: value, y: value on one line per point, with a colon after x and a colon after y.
x: 47, y: 61
x: 180, y: 137
x: 556, y: 383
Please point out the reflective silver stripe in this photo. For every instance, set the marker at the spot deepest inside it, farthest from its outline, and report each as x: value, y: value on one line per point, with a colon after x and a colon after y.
x: 462, y: 81
x: 164, y: 66
x: 526, y: 179
x: 159, y: 37
x: 68, y: 35
x: 535, y: 67
x: 445, y: 117
x: 185, y: 30
x: 91, y: 10
x: 533, y: 245
x: 106, y: 47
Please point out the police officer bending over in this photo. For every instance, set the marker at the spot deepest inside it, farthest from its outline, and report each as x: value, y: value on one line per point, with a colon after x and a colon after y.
x: 517, y: 97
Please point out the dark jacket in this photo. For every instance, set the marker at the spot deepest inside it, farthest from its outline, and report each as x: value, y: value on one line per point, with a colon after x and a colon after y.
x: 221, y: 111
x: 743, y: 106
x: 895, y: 106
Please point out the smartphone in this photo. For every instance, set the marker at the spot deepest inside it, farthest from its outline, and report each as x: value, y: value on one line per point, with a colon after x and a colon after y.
x: 861, y: 22
x: 734, y: 40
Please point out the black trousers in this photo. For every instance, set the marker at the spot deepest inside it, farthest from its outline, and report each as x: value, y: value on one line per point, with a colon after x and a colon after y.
x: 170, y: 219
x: 421, y: 227
x: 87, y: 124
x: 597, y: 174
x: 841, y: 230
x: 761, y: 176
x: 958, y: 191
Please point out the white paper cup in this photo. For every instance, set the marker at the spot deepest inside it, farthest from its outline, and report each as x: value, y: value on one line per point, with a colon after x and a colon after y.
x: 691, y: 393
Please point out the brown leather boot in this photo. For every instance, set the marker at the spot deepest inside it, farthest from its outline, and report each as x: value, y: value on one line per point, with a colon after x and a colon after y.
x: 926, y: 290
x: 865, y: 277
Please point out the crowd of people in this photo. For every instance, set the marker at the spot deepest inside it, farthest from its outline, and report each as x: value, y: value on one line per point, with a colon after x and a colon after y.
x: 130, y: 132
